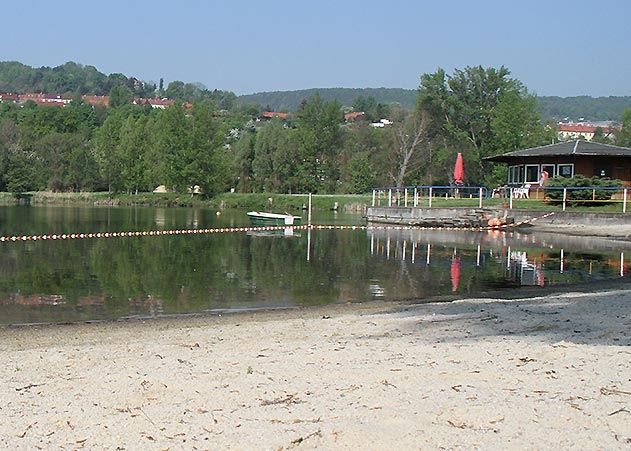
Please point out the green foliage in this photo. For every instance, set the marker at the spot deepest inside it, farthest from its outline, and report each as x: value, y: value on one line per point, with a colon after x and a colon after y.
x: 554, y: 188
x: 291, y: 100
x: 623, y: 137
x: 361, y: 175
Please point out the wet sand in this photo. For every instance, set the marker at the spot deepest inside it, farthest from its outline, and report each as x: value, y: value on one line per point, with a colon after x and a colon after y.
x: 542, y: 372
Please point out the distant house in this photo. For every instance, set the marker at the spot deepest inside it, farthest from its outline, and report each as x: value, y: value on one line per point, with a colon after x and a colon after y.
x: 273, y: 114
x: 96, y: 100
x: 584, y: 130
x: 45, y: 99
x: 353, y: 116
x: 9, y: 97
x: 154, y: 102
x: 566, y: 159
x: 381, y: 124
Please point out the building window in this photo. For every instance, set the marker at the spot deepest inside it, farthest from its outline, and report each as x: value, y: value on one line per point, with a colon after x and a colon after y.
x: 565, y: 170
x: 549, y: 168
x: 603, y: 171
x: 516, y: 175
x: 532, y: 173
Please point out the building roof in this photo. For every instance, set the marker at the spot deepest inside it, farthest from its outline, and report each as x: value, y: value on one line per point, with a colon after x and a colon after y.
x: 584, y: 128
x: 568, y: 148
x: 351, y: 116
x: 271, y: 114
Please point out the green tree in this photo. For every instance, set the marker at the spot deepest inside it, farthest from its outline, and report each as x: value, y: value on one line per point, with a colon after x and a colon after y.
x: 319, y: 137
x: 120, y: 95
x: 623, y: 137
x: 361, y: 174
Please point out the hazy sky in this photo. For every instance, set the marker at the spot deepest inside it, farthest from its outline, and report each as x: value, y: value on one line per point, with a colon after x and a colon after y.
x: 563, y: 48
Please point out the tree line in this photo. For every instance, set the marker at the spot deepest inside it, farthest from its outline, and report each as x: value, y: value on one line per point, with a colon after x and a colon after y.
x: 75, y: 79
x: 129, y: 148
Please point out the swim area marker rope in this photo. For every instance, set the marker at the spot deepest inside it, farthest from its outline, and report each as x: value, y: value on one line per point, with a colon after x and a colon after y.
x: 79, y: 236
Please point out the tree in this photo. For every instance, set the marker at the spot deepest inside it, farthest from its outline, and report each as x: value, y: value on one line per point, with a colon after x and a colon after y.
x: 411, y: 141
x: 120, y: 95
x: 273, y: 165
x: 106, y: 141
x: 479, y: 112
x: 319, y: 138
x: 623, y: 137
x: 361, y: 174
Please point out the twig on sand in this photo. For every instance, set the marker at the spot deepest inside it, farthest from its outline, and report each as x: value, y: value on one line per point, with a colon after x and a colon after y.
x: 618, y: 411
x: 289, y: 399
x: 613, y: 391
x: 27, y: 387
x: 299, y: 440
x: 23, y: 434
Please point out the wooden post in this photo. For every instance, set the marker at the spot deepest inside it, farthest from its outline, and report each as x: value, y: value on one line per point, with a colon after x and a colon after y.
x: 564, y: 197
x: 430, y: 197
x: 309, y: 212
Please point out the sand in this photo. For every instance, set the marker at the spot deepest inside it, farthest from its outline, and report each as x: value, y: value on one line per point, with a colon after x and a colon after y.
x: 543, y: 372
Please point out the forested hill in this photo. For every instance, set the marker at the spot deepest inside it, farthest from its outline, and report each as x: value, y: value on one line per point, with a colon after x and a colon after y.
x: 290, y: 100
x: 551, y: 107
x: 75, y: 78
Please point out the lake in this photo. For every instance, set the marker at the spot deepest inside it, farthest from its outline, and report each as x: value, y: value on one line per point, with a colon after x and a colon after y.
x: 143, y: 276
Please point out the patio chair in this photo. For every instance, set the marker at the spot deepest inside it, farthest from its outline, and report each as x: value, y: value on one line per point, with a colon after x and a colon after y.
x: 523, y: 192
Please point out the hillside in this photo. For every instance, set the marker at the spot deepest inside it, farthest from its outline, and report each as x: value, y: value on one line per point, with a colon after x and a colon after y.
x: 550, y: 107
x: 290, y: 100
x: 78, y: 79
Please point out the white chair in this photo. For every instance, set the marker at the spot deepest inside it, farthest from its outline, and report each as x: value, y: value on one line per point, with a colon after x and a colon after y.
x: 523, y: 192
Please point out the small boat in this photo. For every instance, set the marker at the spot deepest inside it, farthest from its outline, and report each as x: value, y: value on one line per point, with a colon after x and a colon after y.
x: 263, y: 218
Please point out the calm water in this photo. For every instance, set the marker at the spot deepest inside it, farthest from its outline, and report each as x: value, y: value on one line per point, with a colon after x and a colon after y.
x: 93, y: 279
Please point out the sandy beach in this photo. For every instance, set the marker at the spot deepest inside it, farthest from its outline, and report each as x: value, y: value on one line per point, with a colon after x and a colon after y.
x: 543, y: 372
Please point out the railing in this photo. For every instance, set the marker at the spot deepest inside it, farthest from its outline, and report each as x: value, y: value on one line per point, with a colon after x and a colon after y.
x: 414, y: 196
x: 425, y: 196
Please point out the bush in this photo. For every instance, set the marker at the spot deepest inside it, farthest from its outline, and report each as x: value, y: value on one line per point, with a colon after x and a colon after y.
x: 554, y: 188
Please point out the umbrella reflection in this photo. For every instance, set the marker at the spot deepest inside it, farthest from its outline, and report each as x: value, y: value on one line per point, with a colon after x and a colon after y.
x: 455, y: 273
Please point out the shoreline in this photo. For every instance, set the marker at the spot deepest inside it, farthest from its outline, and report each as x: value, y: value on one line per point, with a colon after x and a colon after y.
x: 547, y: 370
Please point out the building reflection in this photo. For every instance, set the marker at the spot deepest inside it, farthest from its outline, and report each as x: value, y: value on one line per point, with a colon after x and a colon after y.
x: 524, y: 259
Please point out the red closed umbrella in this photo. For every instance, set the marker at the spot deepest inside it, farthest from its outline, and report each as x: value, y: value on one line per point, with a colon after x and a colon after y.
x: 459, y: 170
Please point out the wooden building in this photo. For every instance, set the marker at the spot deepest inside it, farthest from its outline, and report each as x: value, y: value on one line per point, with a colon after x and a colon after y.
x: 566, y: 159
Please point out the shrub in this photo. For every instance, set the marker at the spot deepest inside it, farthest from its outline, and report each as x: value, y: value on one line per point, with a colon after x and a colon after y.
x: 596, y: 188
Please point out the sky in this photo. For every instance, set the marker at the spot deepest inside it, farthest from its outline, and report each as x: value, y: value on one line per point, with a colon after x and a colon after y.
x: 562, y: 48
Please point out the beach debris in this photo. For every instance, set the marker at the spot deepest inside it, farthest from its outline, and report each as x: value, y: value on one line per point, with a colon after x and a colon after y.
x: 299, y: 440
x: 28, y: 387
x: 388, y: 384
x: 613, y: 391
x: 289, y: 399
x: 525, y: 361
x: 23, y: 434
x: 622, y: 409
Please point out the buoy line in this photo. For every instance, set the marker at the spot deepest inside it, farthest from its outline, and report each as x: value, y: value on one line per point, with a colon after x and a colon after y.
x: 80, y: 236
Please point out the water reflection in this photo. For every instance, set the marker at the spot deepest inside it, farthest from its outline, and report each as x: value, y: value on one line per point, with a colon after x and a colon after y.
x: 525, y: 259
x: 149, y: 276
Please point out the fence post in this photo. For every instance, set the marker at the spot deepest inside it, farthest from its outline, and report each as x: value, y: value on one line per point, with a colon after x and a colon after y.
x: 564, y: 197
x: 510, y: 198
x: 405, y: 197
x: 415, y: 197
x: 390, y: 197
x: 430, y: 196
x: 624, y: 200
x: 480, y: 197
x: 373, y: 197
